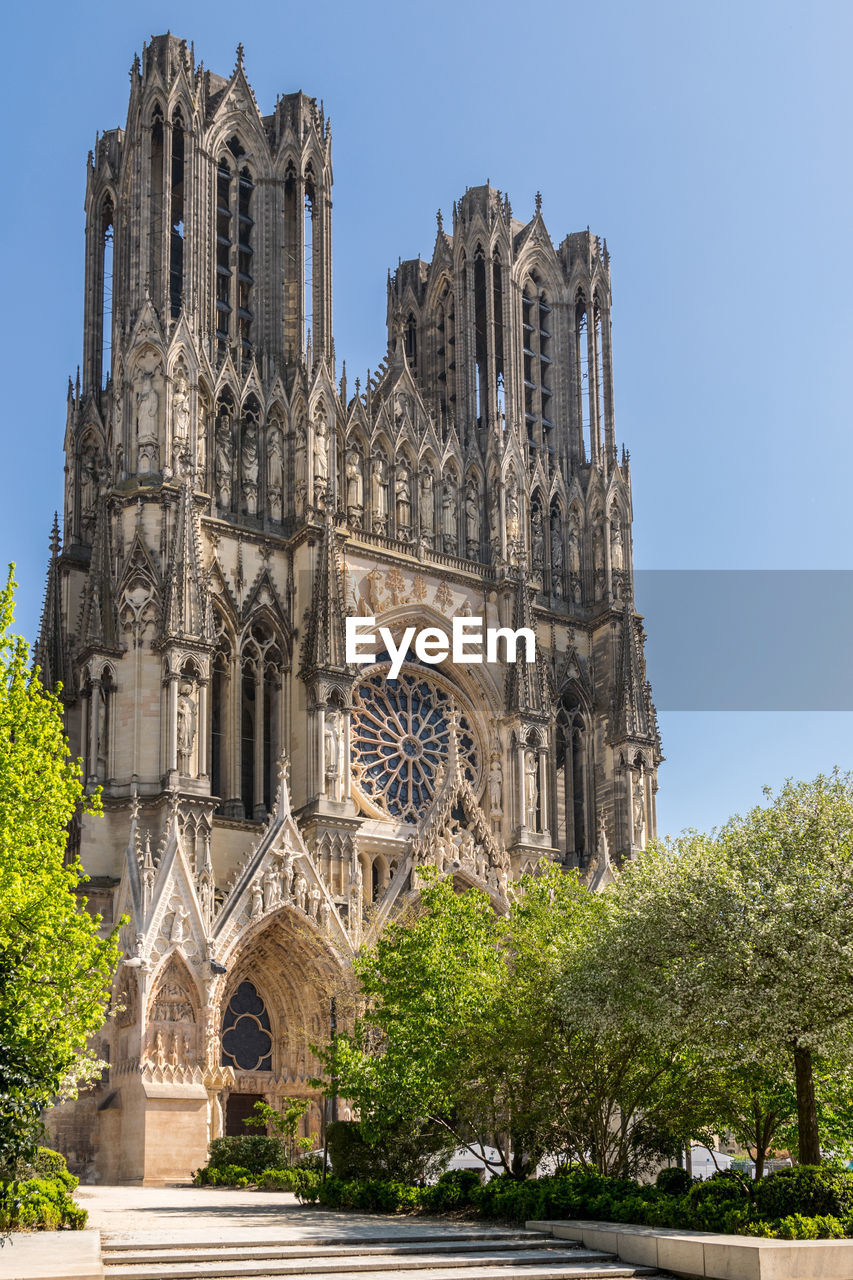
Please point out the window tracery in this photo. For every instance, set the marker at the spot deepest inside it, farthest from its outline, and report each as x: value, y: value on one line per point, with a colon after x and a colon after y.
x: 246, y: 1031
x: 401, y: 738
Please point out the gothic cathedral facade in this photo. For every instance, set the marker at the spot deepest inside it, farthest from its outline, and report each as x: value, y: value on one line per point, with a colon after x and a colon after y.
x: 229, y: 502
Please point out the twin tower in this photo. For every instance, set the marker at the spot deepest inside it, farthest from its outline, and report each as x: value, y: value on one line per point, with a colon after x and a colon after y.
x: 229, y: 501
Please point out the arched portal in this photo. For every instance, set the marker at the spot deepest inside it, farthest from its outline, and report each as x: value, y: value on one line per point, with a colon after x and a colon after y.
x: 274, y: 1005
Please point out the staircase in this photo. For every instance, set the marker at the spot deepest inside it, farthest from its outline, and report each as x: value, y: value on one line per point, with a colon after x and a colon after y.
x: 448, y: 1254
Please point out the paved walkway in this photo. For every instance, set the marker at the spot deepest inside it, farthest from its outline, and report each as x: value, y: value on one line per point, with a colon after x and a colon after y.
x: 218, y: 1212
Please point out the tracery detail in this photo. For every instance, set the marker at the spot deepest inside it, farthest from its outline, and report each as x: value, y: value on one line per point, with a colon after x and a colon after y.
x: 400, y: 741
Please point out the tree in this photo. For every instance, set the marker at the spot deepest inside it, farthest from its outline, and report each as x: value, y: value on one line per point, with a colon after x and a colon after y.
x: 55, y: 969
x: 284, y: 1124
x: 742, y: 939
x: 489, y: 1026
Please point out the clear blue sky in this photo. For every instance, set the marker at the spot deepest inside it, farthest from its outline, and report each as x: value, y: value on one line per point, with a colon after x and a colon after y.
x: 710, y: 144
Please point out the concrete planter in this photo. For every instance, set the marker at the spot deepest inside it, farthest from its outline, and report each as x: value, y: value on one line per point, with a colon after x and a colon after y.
x: 701, y: 1253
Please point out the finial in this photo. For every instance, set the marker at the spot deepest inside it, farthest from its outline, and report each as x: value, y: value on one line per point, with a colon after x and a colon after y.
x: 240, y: 52
x: 538, y: 201
x: 55, y: 543
x: 440, y: 220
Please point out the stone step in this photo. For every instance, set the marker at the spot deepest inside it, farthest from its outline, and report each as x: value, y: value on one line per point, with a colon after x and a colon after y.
x: 144, y: 1242
x: 535, y: 1263
x: 133, y: 1254
x: 511, y: 1267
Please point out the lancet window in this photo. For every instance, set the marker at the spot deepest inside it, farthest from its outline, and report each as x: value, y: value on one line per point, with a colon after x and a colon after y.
x: 573, y: 822
x: 234, y: 249
x: 536, y: 349
x: 176, y: 220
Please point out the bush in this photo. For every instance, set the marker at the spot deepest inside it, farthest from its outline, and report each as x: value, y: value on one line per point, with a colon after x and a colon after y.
x: 277, y: 1180
x: 228, y: 1175
x: 798, y: 1226
x: 370, y: 1196
x: 810, y: 1190
x: 709, y: 1205
x: 674, y: 1182
x: 453, y: 1190
x: 41, y: 1203
x: 401, y: 1156
x: 253, y: 1152
x: 308, y: 1183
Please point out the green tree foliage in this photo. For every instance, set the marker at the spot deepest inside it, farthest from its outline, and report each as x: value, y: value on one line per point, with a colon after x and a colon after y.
x: 490, y: 1027
x: 283, y: 1123
x: 740, y: 942
x: 55, y: 969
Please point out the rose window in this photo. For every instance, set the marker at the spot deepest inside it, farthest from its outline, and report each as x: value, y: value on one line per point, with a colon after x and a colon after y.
x: 400, y: 739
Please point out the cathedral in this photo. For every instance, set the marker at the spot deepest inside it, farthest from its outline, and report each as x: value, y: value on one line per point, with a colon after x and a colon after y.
x: 231, y: 499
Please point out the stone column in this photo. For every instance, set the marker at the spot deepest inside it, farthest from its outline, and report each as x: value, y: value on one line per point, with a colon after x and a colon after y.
x: 203, y: 720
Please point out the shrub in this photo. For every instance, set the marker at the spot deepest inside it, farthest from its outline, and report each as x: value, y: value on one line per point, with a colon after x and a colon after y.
x: 370, y: 1196
x: 452, y: 1191
x: 228, y: 1175
x: 674, y: 1182
x: 810, y: 1190
x: 308, y: 1183
x: 41, y: 1203
x: 400, y: 1156
x: 253, y: 1152
x: 798, y: 1226
x: 277, y: 1180
x: 709, y: 1205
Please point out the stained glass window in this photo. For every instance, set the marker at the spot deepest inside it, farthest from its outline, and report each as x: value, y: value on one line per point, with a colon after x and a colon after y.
x: 246, y: 1033
x: 400, y: 738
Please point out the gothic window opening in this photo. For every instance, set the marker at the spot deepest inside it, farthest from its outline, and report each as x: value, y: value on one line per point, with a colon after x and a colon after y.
x: 481, y: 385
x: 572, y: 815
x: 400, y: 741
x: 107, y: 271
x: 498, y: 312
x: 245, y: 278
x: 157, y: 186
x: 219, y: 688
x: 599, y: 371
x: 583, y: 377
x: 261, y: 674
x: 176, y: 240
x: 411, y: 343
x: 223, y: 252
x: 308, y: 258
x: 292, y: 262
x: 246, y: 1031
x: 536, y: 351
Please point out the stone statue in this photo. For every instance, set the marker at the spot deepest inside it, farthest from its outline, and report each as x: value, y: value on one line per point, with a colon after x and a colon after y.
x: 639, y: 812
x: 174, y: 1051
x: 617, y: 559
x: 224, y: 460
x: 272, y: 888
x: 472, y: 520
x: 332, y: 752
x: 531, y: 790
x: 275, y: 475
x: 449, y: 519
x: 186, y: 726
x: 427, y: 503
x: 403, y: 495
x: 147, y: 421
x: 574, y: 544
x: 355, y: 483
x: 301, y: 468
x: 321, y: 460
x: 379, y: 492
x: 257, y: 900
x: 159, y: 1049
x: 496, y: 784
x: 249, y: 463
x: 512, y: 522
x: 88, y: 480
x: 179, y: 921
x: 180, y: 414
x: 537, y: 538
x: 556, y: 549
x: 201, y: 446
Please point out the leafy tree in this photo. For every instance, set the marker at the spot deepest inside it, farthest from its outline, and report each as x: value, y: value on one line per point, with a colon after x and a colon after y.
x: 55, y: 969
x: 490, y: 1027
x: 742, y: 940
x: 284, y: 1124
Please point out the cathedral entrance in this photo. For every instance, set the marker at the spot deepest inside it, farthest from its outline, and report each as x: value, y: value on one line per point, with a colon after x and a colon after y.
x: 238, y: 1109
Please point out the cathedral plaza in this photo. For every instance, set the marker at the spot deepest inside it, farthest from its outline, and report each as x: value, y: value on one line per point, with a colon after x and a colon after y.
x: 234, y: 499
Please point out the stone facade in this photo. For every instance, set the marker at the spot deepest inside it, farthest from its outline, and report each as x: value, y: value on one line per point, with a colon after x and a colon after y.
x: 229, y: 500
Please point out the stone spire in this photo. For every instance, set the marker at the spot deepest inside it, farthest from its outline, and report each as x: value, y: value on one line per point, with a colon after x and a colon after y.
x: 631, y: 713
x: 98, y: 626
x: 187, y: 612
x: 50, y: 649
x: 325, y: 646
x: 525, y: 691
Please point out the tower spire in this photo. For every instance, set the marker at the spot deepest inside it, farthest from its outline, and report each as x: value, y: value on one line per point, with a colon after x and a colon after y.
x: 50, y: 648
x: 187, y: 612
x: 325, y: 646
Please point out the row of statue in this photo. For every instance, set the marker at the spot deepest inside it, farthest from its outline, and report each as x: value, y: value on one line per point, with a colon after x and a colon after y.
x: 281, y: 884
